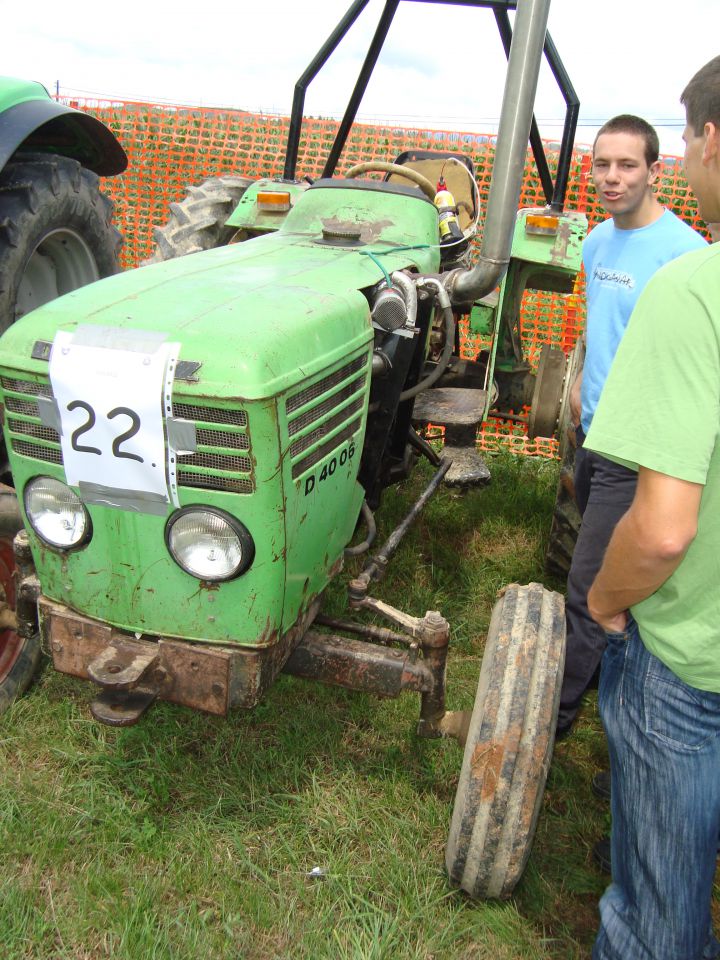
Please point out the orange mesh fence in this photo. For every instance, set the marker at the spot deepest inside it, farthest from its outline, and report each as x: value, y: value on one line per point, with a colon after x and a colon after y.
x: 171, y: 148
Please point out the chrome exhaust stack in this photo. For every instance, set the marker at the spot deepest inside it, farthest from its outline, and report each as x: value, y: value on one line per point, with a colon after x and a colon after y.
x: 526, y: 52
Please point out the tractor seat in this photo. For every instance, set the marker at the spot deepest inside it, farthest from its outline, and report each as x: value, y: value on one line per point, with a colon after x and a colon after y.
x: 433, y: 164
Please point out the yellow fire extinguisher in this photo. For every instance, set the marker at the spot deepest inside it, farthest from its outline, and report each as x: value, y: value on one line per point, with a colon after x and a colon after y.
x: 450, y: 231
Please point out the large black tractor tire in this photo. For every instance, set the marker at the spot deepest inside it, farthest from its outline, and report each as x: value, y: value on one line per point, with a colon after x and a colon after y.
x: 509, y: 744
x: 566, y: 516
x: 19, y: 656
x: 565, y: 521
x: 198, y: 222
x: 56, y: 232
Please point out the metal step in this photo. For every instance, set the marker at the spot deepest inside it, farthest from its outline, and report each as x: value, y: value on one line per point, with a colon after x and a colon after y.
x: 468, y: 468
x: 122, y: 708
x: 446, y: 406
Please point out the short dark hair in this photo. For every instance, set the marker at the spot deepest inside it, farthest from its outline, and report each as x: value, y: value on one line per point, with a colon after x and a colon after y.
x: 629, y: 123
x: 701, y: 97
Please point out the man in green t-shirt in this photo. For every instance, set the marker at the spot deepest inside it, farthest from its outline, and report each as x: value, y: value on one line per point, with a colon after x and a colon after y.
x: 657, y: 594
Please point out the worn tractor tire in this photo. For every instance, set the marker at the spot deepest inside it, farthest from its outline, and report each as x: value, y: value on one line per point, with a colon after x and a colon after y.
x: 566, y: 521
x: 19, y: 656
x: 566, y: 516
x: 198, y: 222
x: 56, y: 232
x: 509, y: 744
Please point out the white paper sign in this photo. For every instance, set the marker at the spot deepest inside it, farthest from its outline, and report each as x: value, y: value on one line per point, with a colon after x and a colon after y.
x: 112, y: 390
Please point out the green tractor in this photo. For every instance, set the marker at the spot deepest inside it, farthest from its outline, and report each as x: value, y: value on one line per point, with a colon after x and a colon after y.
x: 196, y: 443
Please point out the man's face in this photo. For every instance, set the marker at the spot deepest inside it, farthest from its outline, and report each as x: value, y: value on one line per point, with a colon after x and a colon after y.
x: 621, y: 174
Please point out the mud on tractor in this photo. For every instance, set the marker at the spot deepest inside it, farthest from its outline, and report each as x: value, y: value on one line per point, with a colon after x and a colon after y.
x: 195, y: 443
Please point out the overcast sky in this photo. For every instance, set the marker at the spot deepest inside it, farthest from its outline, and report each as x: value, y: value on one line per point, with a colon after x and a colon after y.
x: 442, y: 66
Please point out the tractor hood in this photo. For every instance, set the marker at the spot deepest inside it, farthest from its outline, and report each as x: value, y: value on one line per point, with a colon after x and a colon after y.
x: 256, y: 316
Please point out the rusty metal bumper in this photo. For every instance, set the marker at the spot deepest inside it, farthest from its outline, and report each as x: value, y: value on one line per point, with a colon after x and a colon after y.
x: 133, y: 672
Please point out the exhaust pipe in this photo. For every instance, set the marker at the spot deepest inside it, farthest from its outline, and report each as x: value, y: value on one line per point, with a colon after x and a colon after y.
x: 528, y: 40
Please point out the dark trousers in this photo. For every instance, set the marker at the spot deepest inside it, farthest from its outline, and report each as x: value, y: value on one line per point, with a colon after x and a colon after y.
x: 604, y: 490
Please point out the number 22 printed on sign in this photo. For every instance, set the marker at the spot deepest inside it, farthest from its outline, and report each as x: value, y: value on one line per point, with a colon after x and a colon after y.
x: 110, y: 402
x: 90, y: 423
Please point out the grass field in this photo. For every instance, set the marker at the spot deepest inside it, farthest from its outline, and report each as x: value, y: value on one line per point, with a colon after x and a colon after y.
x: 188, y: 836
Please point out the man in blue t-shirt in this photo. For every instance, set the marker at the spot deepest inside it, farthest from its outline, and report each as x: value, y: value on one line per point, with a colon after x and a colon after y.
x: 619, y: 255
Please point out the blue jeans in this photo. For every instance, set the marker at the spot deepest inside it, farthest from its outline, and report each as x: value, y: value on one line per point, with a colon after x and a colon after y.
x: 664, y: 740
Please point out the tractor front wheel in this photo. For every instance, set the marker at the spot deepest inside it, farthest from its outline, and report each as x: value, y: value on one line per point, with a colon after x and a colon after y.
x: 509, y: 744
x: 198, y: 222
x: 56, y: 232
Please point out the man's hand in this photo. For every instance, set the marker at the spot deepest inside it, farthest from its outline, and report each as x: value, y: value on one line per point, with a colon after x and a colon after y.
x: 613, y: 624
x: 646, y: 547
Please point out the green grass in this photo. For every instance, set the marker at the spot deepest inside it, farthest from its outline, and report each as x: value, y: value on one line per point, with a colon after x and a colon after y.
x: 190, y: 836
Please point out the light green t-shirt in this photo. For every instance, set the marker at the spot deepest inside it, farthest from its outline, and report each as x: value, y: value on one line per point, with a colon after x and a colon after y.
x: 660, y: 409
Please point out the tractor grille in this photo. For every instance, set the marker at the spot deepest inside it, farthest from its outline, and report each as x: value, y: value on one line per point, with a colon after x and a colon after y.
x: 30, y: 437
x: 33, y: 388
x: 233, y: 418
x: 27, y: 407
x: 307, y: 441
x: 36, y: 452
x: 31, y: 429
x: 221, y: 461
x: 325, y: 414
x: 325, y: 385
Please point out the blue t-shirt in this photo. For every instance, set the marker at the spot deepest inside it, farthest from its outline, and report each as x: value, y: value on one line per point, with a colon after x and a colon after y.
x: 618, y: 264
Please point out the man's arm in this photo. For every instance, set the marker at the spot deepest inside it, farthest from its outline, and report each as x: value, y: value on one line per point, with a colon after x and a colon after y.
x: 646, y: 547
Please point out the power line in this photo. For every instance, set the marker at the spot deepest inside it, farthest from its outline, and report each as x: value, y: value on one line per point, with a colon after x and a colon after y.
x: 426, y: 120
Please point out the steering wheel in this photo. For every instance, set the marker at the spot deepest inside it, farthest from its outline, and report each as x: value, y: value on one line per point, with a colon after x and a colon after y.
x: 381, y: 166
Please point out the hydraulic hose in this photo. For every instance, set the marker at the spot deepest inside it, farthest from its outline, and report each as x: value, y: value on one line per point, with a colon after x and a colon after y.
x: 423, y: 447
x: 449, y: 320
x: 363, y: 547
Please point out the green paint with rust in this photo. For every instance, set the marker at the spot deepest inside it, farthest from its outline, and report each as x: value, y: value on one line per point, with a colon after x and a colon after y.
x: 560, y: 252
x: 250, y: 217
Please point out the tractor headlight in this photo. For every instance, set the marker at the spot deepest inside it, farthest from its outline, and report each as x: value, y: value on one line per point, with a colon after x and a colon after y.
x: 56, y: 514
x: 208, y: 543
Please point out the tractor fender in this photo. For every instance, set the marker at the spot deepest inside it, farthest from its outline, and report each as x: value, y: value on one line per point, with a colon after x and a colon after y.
x: 43, y: 125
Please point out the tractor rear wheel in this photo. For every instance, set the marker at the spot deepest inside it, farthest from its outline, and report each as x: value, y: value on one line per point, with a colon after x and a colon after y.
x: 566, y: 516
x: 198, y: 222
x: 19, y: 656
x: 565, y: 521
x: 509, y: 744
x: 56, y: 232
